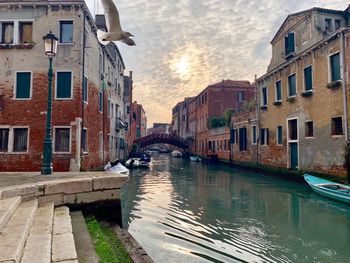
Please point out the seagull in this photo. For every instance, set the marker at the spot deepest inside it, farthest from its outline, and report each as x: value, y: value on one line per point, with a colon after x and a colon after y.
x: 115, y: 31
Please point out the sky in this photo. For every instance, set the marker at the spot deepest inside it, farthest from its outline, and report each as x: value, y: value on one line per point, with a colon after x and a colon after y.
x: 182, y: 46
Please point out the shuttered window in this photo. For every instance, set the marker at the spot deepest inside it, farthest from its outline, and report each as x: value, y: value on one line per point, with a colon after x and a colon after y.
x: 7, y: 32
x: 100, y: 102
x: 4, y: 139
x: 335, y: 67
x: 308, y: 78
x: 278, y: 91
x: 289, y: 44
x: 264, y: 96
x: 264, y: 136
x: 23, y: 83
x: 254, y: 134
x: 64, y: 85
x: 292, y: 86
x: 66, y: 31
x: 85, y: 89
x: 279, y: 135
x: 62, y: 139
x: 25, y: 32
x: 84, y: 140
x: 243, y: 139
x: 20, y: 139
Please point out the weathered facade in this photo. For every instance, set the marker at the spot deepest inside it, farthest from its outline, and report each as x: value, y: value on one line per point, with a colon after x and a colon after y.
x: 303, y: 117
x: 82, y: 69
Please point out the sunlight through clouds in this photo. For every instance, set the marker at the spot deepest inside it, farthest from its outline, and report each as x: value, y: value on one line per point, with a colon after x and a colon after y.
x: 184, y: 45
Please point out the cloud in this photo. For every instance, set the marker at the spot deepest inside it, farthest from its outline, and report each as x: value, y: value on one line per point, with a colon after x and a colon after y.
x: 222, y: 39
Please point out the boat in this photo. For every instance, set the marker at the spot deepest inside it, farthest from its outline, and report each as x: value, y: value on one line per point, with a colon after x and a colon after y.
x: 176, y: 153
x: 116, y: 167
x: 336, y: 191
x: 138, y: 162
x: 195, y: 159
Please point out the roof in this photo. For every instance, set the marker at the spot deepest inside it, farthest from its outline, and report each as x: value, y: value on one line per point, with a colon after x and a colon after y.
x: 42, y: 2
x: 314, y: 9
x: 231, y: 83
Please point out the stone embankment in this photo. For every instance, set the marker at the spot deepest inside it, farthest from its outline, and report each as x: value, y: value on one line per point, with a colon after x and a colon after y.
x: 35, y: 223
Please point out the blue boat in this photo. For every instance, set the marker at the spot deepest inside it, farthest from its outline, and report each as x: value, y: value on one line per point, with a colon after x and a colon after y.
x: 339, y: 192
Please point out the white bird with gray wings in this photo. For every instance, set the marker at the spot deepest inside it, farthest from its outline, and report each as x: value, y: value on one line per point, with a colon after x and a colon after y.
x: 115, y: 31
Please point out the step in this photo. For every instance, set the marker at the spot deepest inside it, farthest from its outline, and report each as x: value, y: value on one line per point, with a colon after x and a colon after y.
x: 83, y: 242
x: 7, y: 208
x: 63, y: 246
x: 38, y: 245
x: 15, y: 233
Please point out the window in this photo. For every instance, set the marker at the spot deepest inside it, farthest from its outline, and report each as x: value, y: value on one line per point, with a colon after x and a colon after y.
x: 64, y: 85
x: 25, y: 32
x: 337, y: 126
x: 254, y: 134
x: 85, y: 89
x: 241, y: 96
x: 7, y: 33
x: 23, y: 85
x: 289, y: 44
x: 100, y: 102
x: 121, y: 143
x: 214, y: 146
x: 225, y: 146
x: 264, y: 136
x: 109, y: 108
x: 84, y: 140
x: 264, y: 96
x: 243, y: 139
x: 279, y: 135
x: 233, y: 136
x: 209, y: 145
x: 328, y: 24
x: 62, y: 140
x: 66, y: 31
x: 292, y: 86
x: 293, y: 129
x: 20, y: 139
x: 278, y: 91
x: 309, y: 129
x: 337, y: 24
x: 308, y: 78
x: 335, y: 66
x: 4, y: 139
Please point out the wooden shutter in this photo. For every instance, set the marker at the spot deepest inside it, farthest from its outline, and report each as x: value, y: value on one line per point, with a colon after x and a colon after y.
x: 64, y: 85
x: 23, y: 82
x: 335, y: 67
x: 308, y: 78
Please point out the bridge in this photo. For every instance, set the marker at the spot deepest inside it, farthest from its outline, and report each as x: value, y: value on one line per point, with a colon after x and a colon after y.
x: 162, y: 138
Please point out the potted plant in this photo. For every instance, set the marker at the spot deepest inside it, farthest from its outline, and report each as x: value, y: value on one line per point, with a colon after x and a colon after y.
x: 277, y: 103
x: 334, y: 84
x: 307, y: 93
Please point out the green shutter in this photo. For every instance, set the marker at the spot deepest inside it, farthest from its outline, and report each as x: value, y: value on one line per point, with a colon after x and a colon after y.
x: 64, y: 85
x: 291, y: 84
x: 291, y: 46
x: 85, y: 89
x: 335, y: 67
x: 23, y: 82
x: 308, y: 78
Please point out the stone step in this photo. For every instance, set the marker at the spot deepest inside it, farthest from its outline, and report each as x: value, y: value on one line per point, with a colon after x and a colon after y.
x: 15, y: 233
x: 38, y: 245
x: 7, y: 208
x: 63, y: 246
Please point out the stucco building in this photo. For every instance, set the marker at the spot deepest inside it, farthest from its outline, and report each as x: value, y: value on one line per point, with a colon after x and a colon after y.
x: 303, y: 97
x: 86, y: 78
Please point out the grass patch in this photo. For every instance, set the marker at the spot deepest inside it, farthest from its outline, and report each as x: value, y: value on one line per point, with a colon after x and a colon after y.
x: 108, y: 247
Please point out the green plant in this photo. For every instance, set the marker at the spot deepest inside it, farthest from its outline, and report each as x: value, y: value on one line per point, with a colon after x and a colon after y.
x: 248, y: 105
x: 334, y: 84
x: 228, y: 113
x: 216, y: 122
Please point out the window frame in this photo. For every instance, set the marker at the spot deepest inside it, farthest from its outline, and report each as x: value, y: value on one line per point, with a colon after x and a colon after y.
x: 100, y: 101
x: 326, y: 20
x: 312, y: 78
x: 262, y: 97
x: 306, y: 129
x: 254, y: 133
x: 54, y: 139
x: 330, y: 66
x: 266, y: 136
x: 342, y: 125
x: 8, y: 127
x: 84, y: 151
x: 87, y: 89
x: 290, y: 54
x: 12, y: 134
x: 278, y: 81
x: 278, y: 143
x: 30, y: 87
x: 71, y: 84
x: 13, y: 35
x: 296, y: 86
x: 60, y: 32
x: 19, y: 31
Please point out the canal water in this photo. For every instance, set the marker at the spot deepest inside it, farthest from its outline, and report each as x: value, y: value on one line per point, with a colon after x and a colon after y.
x: 180, y: 211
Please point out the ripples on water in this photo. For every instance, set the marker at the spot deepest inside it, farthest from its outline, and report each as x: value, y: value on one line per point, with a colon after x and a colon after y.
x: 191, y: 212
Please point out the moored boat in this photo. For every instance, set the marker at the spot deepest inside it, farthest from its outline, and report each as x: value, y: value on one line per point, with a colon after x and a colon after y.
x: 176, y: 153
x: 195, y: 159
x: 142, y: 162
x: 336, y: 191
x: 116, y: 167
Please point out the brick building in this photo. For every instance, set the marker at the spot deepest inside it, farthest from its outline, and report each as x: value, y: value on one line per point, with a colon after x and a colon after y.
x: 159, y: 128
x: 180, y: 119
x: 138, y: 122
x: 86, y: 78
x: 303, y: 97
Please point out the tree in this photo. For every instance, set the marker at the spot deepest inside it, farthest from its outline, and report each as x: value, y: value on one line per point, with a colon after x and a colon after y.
x: 228, y: 113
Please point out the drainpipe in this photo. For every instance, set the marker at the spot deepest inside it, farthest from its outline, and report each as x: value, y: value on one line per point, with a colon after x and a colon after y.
x: 257, y: 112
x: 82, y: 90
x: 343, y: 72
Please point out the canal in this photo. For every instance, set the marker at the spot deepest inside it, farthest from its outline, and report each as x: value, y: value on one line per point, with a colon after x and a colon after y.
x: 181, y: 211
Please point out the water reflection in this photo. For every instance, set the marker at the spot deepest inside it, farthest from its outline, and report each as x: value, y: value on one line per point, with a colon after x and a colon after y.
x: 189, y: 212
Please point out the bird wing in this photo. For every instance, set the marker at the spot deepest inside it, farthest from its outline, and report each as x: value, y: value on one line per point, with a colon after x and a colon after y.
x: 129, y: 41
x: 112, y: 16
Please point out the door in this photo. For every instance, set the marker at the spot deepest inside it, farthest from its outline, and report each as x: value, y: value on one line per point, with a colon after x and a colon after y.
x: 293, y: 155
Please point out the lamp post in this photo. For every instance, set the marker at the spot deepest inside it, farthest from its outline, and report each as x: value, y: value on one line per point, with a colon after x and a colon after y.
x: 50, y: 43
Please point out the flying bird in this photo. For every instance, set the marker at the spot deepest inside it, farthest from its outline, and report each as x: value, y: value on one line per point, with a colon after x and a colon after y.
x: 115, y: 31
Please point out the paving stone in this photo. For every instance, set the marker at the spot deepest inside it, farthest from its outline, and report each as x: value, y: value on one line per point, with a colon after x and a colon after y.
x: 7, y: 208
x: 63, y: 248
x: 69, y: 186
x: 15, y: 233
x: 37, y: 249
x: 43, y: 220
x: 62, y: 225
x: 56, y: 198
x: 21, y: 190
x: 109, y: 182
x: 85, y: 198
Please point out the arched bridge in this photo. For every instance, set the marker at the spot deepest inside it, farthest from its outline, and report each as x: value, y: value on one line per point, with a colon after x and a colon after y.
x: 162, y: 138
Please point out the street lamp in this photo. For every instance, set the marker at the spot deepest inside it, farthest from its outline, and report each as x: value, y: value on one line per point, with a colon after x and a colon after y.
x: 50, y: 43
